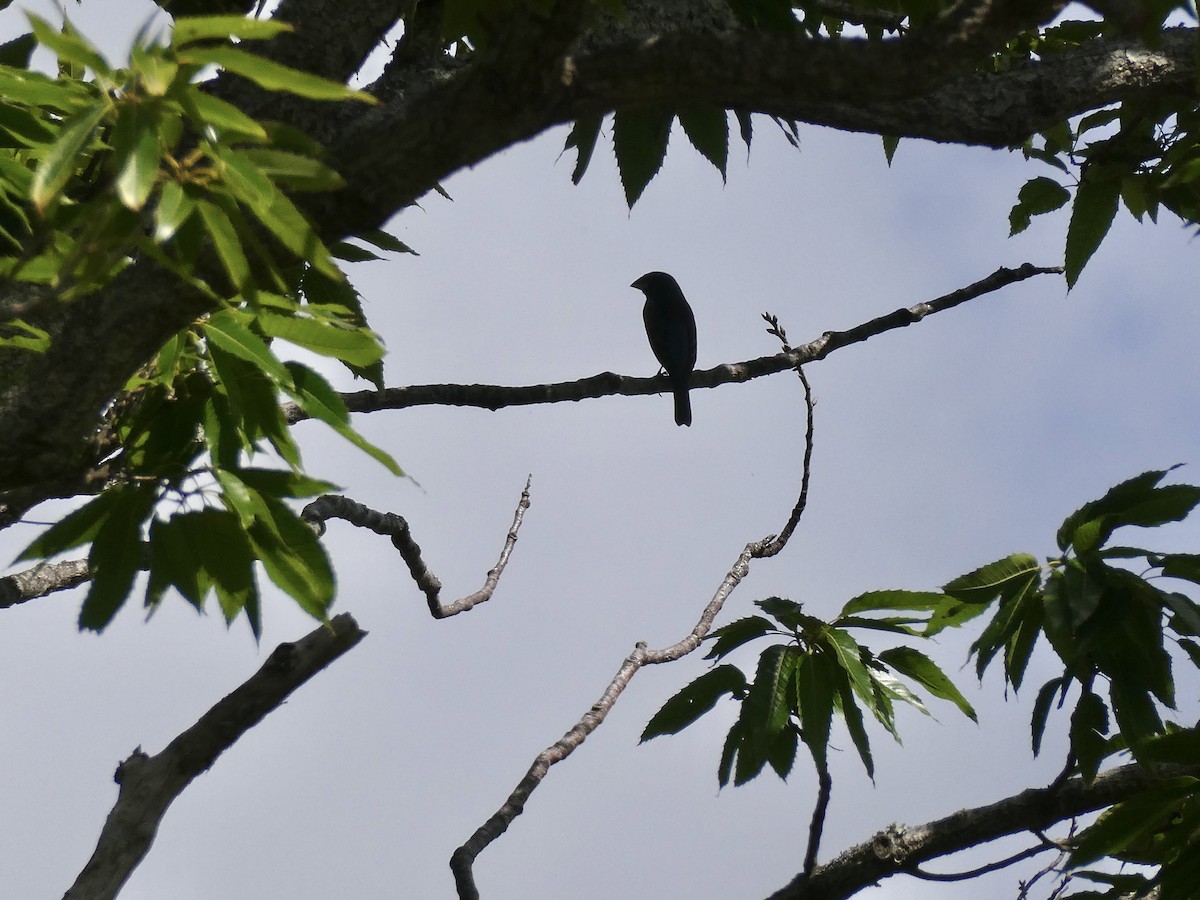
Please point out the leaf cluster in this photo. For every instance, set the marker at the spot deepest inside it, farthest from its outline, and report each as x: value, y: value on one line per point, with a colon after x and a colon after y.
x: 145, y: 162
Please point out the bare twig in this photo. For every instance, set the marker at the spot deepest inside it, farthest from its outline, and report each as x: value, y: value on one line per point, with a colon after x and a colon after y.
x: 149, y: 784
x: 331, y: 506
x: 463, y: 859
x: 607, y: 384
x: 967, y: 875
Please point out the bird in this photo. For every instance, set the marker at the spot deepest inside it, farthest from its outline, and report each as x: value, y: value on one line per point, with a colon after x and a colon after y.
x: 671, y: 328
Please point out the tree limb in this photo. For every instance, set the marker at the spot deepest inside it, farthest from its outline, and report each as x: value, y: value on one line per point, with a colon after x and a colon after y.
x: 607, y: 384
x: 898, y: 849
x: 149, y: 784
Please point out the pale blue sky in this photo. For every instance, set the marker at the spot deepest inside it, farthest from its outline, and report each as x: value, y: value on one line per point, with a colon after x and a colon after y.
x: 938, y: 448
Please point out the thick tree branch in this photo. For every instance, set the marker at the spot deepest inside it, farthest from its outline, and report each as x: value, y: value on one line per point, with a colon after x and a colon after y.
x: 149, y: 784
x: 900, y: 849
x: 41, y: 580
x: 462, y: 861
x: 608, y: 384
x: 396, y: 527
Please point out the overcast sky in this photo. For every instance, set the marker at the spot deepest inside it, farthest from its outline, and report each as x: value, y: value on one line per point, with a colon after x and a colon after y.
x: 939, y: 447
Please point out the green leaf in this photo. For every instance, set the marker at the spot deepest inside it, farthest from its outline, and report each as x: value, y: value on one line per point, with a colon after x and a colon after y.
x: 314, y: 395
x: 172, y: 562
x: 1117, y: 499
x: 28, y: 130
x: 225, y: 330
x: 272, y: 75
x: 1036, y: 197
x: 738, y: 633
x: 189, y: 29
x: 1137, y: 718
x: 695, y: 700
x: 852, y: 716
x: 135, y: 149
x: 226, y: 118
x: 816, y: 687
x: 17, y: 52
x: 1041, y: 707
x: 890, y: 143
x: 768, y: 702
x: 788, y: 613
x: 73, y: 530
x: 357, y: 346
x: 640, y: 141
x: 68, y: 45
x: 876, y: 600
x: 226, y: 241
x: 28, y: 337
x: 707, y: 127
x: 296, y: 172
x: 1089, y: 727
x: 282, y: 483
x: 293, y: 557
x: 1091, y: 217
x: 583, y: 137
x: 174, y: 206
x: 384, y: 241
x: 848, y: 656
x: 1132, y: 820
x: 57, y: 166
x: 924, y: 671
x: 116, y: 555
x: 987, y: 583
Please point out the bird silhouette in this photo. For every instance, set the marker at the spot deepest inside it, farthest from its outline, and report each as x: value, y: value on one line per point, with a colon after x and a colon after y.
x: 671, y: 328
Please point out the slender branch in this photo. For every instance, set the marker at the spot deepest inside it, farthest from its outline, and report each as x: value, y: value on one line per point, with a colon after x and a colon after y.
x: 463, y: 859
x: 149, y: 784
x: 396, y: 527
x: 1027, y: 853
x: 606, y: 384
x: 898, y: 849
x: 816, y: 826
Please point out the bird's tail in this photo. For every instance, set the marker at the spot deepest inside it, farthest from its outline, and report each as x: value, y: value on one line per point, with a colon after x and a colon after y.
x: 683, y: 406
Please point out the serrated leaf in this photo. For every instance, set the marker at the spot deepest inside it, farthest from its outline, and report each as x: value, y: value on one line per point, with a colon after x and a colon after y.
x: 1036, y: 197
x: 282, y: 483
x: 987, y: 583
x: 852, y: 716
x: 707, y: 127
x: 695, y: 700
x: 1089, y: 729
x: 226, y: 242
x: 17, y: 52
x: 384, y: 241
x: 189, y: 29
x: 314, y: 395
x: 293, y: 557
x: 58, y: 165
x: 271, y: 75
x: 1041, y: 708
x: 640, y: 141
x: 890, y: 143
x: 583, y: 138
x: 116, y: 555
x: 356, y: 346
x: 1132, y: 820
x: 225, y: 331
x: 27, y: 129
x: 921, y: 669
x: 815, y: 690
x: 738, y: 633
x: 877, y: 600
x: 1091, y: 217
x: 846, y: 652
x: 73, y: 530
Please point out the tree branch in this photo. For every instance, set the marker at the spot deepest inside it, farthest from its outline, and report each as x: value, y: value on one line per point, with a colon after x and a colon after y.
x: 41, y: 580
x: 898, y: 849
x: 149, y: 784
x: 396, y: 527
x: 607, y: 384
x: 463, y: 859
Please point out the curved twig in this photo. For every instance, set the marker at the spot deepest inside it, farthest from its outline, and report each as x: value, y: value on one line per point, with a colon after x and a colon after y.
x: 331, y: 506
x: 149, y: 784
x: 463, y: 859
